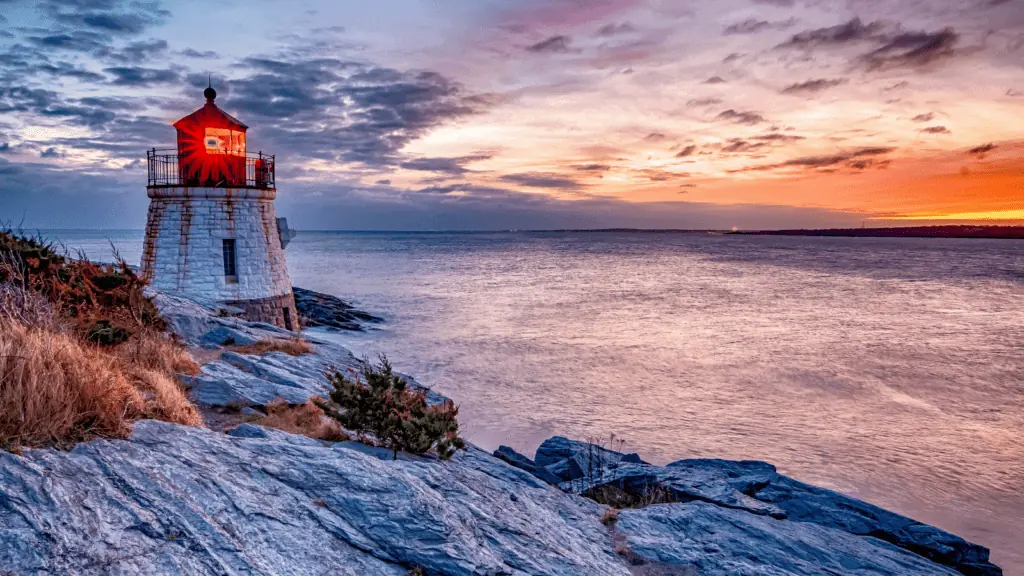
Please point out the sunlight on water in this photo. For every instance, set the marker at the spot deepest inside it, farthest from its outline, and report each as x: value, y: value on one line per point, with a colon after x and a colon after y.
x: 891, y: 369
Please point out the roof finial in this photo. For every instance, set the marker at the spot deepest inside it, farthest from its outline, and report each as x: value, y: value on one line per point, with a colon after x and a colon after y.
x: 210, y: 93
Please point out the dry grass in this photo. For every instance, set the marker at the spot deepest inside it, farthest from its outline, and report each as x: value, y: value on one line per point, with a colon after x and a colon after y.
x: 156, y: 351
x: 616, y: 497
x: 162, y: 397
x: 56, y: 390
x: 290, y: 346
x: 306, y: 419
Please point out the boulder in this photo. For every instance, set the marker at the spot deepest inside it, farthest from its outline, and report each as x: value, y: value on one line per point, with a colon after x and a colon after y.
x: 331, y: 312
x: 571, y: 459
x: 717, y: 541
x: 523, y: 463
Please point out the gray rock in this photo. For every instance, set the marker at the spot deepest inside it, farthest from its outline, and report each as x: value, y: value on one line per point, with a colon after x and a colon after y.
x: 317, y: 309
x: 757, y: 488
x: 523, y: 463
x: 178, y: 500
x: 571, y: 459
x: 722, y: 542
x: 805, y: 503
x: 221, y: 384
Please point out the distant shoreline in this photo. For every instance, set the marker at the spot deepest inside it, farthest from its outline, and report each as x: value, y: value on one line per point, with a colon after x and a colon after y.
x: 993, y: 232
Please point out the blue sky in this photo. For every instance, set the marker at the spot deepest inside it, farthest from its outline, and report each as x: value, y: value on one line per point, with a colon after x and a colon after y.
x: 414, y: 114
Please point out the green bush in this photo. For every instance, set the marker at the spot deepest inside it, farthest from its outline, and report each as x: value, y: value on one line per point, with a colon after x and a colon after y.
x: 397, y: 417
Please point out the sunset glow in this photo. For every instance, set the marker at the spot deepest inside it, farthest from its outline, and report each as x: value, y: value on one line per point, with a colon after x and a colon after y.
x: 546, y: 112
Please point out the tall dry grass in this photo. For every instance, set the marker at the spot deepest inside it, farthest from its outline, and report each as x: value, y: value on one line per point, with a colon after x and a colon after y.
x: 157, y: 351
x: 56, y: 390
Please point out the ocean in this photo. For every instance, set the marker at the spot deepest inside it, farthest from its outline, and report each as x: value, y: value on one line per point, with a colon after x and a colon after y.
x: 889, y: 369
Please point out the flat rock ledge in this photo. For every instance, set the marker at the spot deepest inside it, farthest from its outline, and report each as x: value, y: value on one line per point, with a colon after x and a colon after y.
x: 177, y: 500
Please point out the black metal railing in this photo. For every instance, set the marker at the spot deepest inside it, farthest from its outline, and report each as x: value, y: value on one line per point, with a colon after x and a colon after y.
x: 165, y: 170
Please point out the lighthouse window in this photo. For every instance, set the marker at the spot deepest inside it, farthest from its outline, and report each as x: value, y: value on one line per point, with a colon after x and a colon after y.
x: 224, y: 141
x: 230, y: 260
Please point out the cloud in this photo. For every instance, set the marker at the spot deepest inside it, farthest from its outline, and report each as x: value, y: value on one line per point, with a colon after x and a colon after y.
x: 51, y: 152
x: 754, y: 26
x: 137, y: 52
x: 780, y: 3
x: 107, y: 16
x: 591, y: 167
x: 813, y: 86
x: 924, y: 117
x: 450, y: 166
x: 936, y: 130
x: 554, y: 44
x: 858, y: 159
x: 137, y: 76
x: 747, y: 118
x: 542, y: 180
x: 704, y: 102
x: 686, y: 151
x: 1014, y: 93
x: 190, y: 53
x: 778, y: 137
x: 853, y: 31
x: 341, y: 110
x: 913, y: 49
x: 736, y: 145
x: 715, y: 80
x: 982, y: 150
x: 655, y: 137
x: 616, y: 29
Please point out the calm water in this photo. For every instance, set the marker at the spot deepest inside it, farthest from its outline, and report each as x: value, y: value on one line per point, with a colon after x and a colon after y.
x: 890, y: 369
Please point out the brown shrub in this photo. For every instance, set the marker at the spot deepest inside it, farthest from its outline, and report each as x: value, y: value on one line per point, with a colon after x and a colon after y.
x: 53, y: 390
x: 56, y: 391
x: 162, y: 397
x: 306, y: 419
x: 611, y: 516
x: 290, y: 346
x: 156, y: 351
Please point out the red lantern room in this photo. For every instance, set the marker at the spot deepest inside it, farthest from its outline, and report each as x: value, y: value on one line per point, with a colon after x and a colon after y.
x: 211, y: 153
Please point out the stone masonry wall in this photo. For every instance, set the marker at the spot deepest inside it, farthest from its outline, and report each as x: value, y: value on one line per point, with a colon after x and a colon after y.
x: 183, y: 251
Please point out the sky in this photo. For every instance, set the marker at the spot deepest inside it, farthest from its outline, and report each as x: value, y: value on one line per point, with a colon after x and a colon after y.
x: 529, y: 114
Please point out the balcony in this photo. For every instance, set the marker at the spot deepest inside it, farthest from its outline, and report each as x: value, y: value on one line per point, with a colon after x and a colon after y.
x: 253, y: 170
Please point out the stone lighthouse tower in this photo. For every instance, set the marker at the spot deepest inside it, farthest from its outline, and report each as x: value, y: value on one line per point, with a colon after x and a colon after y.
x: 211, y: 231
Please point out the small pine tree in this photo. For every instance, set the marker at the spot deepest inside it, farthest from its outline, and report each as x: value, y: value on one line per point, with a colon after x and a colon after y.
x: 398, y: 417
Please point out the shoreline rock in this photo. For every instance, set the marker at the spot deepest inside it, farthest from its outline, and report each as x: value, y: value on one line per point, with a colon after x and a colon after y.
x: 178, y: 500
x: 331, y: 312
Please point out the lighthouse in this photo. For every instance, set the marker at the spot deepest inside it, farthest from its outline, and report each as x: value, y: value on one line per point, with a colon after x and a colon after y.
x: 211, y: 232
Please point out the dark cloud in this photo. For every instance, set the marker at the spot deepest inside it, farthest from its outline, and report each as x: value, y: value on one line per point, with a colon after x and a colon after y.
x: 591, y: 167
x: 736, y: 145
x: 924, y: 117
x: 68, y: 70
x: 616, y: 29
x: 384, y: 182
x: 138, y: 76
x: 341, y: 110
x: 1014, y: 93
x: 780, y: 3
x: 856, y: 159
x: 51, y: 152
x: 754, y: 26
x: 777, y: 137
x: 686, y: 151
x: 704, y: 102
x: 655, y: 137
x: 853, y: 31
x: 936, y: 130
x: 138, y: 52
x: 983, y: 149
x: 190, y: 53
x: 813, y: 86
x: 542, y: 180
x: 450, y: 166
x: 715, y: 80
x: 913, y: 49
x: 108, y: 16
x: 739, y: 117
x: 554, y: 44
